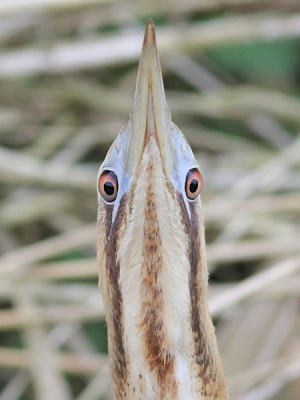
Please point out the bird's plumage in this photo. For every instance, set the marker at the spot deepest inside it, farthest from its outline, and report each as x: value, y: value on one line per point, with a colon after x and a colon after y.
x: 151, y: 255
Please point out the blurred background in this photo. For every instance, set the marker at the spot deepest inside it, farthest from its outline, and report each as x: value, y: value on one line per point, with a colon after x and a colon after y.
x: 67, y: 77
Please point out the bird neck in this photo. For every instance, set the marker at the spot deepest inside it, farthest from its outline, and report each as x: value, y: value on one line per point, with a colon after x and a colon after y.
x: 153, y: 277
x: 161, y: 339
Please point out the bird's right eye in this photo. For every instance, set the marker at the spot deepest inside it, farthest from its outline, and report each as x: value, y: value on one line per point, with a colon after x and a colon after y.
x: 108, y: 186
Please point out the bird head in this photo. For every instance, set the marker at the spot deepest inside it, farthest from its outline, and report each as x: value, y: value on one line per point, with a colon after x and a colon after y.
x: 151, y: 250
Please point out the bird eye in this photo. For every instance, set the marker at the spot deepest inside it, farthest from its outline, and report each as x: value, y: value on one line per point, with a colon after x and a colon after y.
x: 193, y: 184
x: 108, y: 186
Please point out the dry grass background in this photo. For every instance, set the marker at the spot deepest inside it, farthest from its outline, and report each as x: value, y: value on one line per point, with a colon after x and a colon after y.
x: 67, y: 76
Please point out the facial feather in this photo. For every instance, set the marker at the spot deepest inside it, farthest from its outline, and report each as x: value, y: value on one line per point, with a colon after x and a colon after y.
x: 151, y: 253
x: 164, y: 285
x: 166, y: 333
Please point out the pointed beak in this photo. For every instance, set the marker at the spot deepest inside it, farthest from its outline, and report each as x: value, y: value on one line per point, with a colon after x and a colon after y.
x: 150, y: 115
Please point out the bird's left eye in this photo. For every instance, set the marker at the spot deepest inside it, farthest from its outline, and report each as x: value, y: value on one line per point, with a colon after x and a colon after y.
x: 108, y: 186
x: 193, y: 184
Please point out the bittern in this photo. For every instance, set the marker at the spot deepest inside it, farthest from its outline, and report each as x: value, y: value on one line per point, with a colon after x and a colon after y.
x: 151, y: 254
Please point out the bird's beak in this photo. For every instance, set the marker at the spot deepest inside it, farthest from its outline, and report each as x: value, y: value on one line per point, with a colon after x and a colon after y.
x: 150, y: 115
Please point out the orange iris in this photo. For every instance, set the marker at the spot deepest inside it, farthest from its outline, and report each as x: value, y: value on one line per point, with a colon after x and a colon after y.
x: 108, y: 186
x: 193, y: 184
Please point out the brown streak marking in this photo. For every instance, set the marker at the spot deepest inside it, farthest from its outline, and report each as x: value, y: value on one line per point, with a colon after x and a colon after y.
x: 194, y: 256
x: 207, y: 371
x: 108, y: 220
x: 191, y: 228
x: 159, y: 358
x: 113, y: 272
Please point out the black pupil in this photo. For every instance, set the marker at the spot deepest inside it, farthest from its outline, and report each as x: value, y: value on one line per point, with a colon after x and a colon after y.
x: 109, y: 188
x: 193, y: 186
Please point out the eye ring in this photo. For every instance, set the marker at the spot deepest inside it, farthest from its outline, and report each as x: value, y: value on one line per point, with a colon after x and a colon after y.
x: 193, y: 184
x: 108, y: 186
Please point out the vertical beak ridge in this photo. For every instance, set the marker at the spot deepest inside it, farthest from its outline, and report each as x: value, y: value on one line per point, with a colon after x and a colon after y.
x: 150, y: 114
